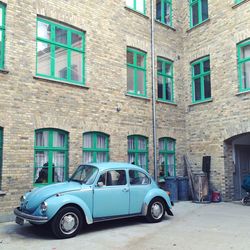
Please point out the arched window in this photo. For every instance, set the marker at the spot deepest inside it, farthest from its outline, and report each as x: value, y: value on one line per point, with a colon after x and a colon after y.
x: 95, y: 147
x: 167, y: 157
x: 138, y: 150
x: 51, y: 155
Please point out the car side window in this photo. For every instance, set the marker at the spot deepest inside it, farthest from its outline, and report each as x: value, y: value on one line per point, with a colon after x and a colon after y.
x: 138, y: 178
x: 113, y: 178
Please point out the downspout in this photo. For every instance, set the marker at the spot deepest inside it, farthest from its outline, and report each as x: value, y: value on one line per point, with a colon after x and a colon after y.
x: 153, y: 90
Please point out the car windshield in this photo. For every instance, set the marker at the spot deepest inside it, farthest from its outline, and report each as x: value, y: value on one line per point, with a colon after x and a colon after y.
x: 85, y: 174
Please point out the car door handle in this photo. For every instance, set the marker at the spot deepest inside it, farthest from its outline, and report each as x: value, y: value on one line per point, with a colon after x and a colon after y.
x: 125, y: 190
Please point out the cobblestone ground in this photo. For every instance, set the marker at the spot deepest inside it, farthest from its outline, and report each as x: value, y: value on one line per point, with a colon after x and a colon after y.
x: 222, y: 226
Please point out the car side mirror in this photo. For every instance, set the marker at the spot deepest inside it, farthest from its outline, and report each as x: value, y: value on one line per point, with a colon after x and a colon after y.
x: 100, y: 184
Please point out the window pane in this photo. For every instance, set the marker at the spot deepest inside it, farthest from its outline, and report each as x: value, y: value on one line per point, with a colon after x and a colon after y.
x: 58, y: 166
x: 142, y: 143
x: 168, y: 69
x: 169, y: 89
x: 204, y: 6
x: 170, y: 145
x: 207, y: 87
x: 195, y: 14
x: 158, y: 10
x: 159, y: 66
x: 87, y: 140
x: 167, y: 13
x: 197, y: 89
x: 58, y: 139
x: 87, y: 157
x: 41, y: 175
x: 140, y: 60
x: 61, y: 57
x: 197, y: 70
x: 245, y: 51
x: 131, y: 143
x: 43, y: 58
x: 43, y: 30
x: 140, y: 5
x: 76, y: 40
x: 130, y: 57
x: 130, y: 80
x: 170, y: 159
x: 142, y: 157
x: 101, y: 157
x: 42, y: 139
x: 246, y: 75
x: 161, y: 144
x: 206, y: 66
x: 130, y: 3
x: 76, y: 66
x: 101, y: 141
x: 61, y: 35
x: 140, y: 82
x: 41, y: 158
x: 131, y: 158
x: 160, y: 86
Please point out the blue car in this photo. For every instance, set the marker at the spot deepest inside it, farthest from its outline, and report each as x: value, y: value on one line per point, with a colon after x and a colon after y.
x: 95, y: 192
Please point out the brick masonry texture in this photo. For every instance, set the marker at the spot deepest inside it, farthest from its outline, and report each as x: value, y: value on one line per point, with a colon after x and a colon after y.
x: 27, y: 103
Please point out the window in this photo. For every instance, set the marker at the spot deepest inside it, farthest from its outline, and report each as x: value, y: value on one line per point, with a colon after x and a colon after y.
x: 164, y: 11
x: 238, y: 1
x: 138, y: 178
x: 198, y: 11
x: 51, y: 156
x: 1, y: 155
x: 113, y: 178
x: 201, y: 84
x: 244, y: 65
x: 2, y: 34
x: 138, y: 150
x: 167, y: 157
x: 137, y: 5
x: 165, y: 80
x: 136, y: 72
x: 95, y: 147
x: 60, y: 52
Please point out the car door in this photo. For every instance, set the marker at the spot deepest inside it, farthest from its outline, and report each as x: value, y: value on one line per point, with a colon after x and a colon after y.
x: 139, y: 187
x: 111, y: 194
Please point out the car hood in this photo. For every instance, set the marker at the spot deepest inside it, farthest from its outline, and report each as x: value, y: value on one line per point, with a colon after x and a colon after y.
x: 38, y: 195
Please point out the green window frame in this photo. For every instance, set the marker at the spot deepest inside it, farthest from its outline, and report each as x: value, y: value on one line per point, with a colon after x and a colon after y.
x: 138, y: 151
x: 165, y: 80
x: 1, y: 155
x: 95, y: 147
x: 167, y: 157
x: 51, y: 156
x: 243, y: 51
x: 137, y: 5
x: 164, y: 11
x: 136, y: 72
x: 198, y: 12
x: 201, y: 80
x: 238, y: 1
x: 2, y: 33
x: 60, y: 52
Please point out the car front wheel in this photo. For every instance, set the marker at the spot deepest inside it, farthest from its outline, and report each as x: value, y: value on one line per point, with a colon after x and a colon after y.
x: 156, y: 210
x: 67, y: 222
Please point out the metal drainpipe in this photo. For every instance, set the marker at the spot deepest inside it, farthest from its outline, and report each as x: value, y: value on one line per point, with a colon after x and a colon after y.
x: 153, y: 89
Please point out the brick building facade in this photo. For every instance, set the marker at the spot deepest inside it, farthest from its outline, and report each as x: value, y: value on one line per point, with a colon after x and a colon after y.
x: 108, y: 98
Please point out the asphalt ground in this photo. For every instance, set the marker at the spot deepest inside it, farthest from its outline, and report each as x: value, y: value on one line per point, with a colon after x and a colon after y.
x: 222, y: 226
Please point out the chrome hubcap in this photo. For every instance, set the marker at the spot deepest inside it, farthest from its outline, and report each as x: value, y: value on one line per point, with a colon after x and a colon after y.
x: 69, y: 223
x: 157, y: 210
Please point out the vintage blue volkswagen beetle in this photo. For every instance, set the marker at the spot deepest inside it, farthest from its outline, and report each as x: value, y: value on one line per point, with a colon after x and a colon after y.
x: 95, y: 192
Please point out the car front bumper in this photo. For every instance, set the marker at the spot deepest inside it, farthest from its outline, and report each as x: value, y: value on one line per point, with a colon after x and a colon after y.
x: 21, y: 216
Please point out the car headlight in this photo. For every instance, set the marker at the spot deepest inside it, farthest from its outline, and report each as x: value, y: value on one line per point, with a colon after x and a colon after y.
x: 43, y: 206
x: 22, y: 198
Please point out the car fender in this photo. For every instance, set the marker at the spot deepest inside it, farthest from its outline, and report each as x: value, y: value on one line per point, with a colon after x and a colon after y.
x: 55, y: 203
x: 156, y: 192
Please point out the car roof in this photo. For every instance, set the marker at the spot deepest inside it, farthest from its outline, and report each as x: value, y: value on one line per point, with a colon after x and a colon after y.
x: 115, y: 165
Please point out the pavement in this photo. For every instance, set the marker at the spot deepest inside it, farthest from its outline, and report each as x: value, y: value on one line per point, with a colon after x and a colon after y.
x: 194, y: 226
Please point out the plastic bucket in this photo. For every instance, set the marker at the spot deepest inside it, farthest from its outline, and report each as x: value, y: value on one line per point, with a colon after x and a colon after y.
x: 172, y: 186
x: 183, y: 188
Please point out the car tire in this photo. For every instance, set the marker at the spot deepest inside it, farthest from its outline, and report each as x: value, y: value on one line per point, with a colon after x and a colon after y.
x: 67, y: 222
x: 156, y: 210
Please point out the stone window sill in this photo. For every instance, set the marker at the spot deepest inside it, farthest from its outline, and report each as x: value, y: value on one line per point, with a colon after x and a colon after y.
x: 137, y: 97
x: 2, y: 193
x: 201, y: 102
x: 4, y: 71
x: 164, y: 25
x: 198, y: 25
x: 167, y: 103
x: 136, y: 12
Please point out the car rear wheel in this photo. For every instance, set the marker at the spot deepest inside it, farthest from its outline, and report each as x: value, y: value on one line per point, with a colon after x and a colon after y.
x: 67, y: 222
x: 156, y: 210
